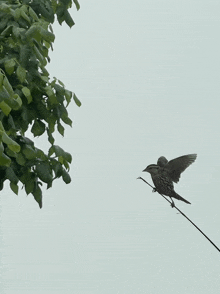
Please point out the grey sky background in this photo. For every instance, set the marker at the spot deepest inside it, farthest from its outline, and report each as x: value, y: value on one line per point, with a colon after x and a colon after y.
x: 147, y: 74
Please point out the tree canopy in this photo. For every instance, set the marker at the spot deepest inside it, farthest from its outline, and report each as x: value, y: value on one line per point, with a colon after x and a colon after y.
x: 29, y: 99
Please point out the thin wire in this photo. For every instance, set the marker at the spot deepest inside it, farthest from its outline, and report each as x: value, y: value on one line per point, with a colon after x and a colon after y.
x: 183, y: 215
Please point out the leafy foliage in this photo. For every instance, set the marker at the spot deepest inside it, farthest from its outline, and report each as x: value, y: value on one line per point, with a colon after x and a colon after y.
x: 28, y: 98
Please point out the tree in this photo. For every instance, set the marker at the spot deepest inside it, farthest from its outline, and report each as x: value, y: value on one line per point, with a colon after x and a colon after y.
x: 28, y: 98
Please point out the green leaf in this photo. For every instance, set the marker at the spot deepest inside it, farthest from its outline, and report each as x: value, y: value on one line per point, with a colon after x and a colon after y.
x: 30, y: 184
x: 61, y: 83
x: 51, y: 151
x: 1, y: 148
x: 14, y: 188
x: 66, y: 177
x: 24, y: 15
x: 38, y: 128
x: 27, y: 94
x: 60, y: 159
x: 50, y: 138
x: 66, y: 119
x: 57, y: 168
x: 21, y: 73
x: 14, y: 102
x: 33, y: 14
x: 8, y: 86
x: 40, y: 154
x: 10, y: 174
x: 60, y: 129
x: 29, y: 152
x: 47, y: 36
x: 44, y: 172
x: 68, y: 95
x: 1, y: 127
x: 51, y: 95
x: 1, y: 79
x: 58, y: 150
x: 77, y: 4
x: 5, y: 160
x: 10, y: 153
x: 68, y: 157
x: 5, y: 108
x: 12, y: 145
x: 68, y: 19
x: 20, y: 159
x: 9, y: 66
x: 37, y: 193
x: 78, y: 103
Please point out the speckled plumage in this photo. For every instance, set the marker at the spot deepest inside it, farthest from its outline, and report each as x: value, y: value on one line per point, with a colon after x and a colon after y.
x: 165, y: 172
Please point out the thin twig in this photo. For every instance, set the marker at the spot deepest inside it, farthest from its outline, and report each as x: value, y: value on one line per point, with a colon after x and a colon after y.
x: 183, y: 215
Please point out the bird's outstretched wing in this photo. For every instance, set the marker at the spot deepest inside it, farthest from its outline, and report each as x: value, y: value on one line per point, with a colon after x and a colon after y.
x: 162, y: 161
x: 176, y: 166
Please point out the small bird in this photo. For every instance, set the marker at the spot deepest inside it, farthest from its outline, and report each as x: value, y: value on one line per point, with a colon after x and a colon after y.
x: 165, y: 172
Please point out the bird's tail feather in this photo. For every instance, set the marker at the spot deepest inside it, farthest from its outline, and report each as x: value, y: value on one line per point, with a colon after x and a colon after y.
x: 177, y: 196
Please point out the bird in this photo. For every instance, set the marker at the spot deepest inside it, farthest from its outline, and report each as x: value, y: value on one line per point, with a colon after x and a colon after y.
x: 165, y: 172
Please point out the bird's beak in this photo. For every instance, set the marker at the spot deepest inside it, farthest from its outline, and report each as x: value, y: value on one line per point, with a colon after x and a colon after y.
x: 145, y: 170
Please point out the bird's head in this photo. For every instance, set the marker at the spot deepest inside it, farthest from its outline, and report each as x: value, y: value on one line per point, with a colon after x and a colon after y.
x: 152, y: 169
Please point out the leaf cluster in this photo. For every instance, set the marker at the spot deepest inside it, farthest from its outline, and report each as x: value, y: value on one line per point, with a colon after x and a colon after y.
x: 28, y: 98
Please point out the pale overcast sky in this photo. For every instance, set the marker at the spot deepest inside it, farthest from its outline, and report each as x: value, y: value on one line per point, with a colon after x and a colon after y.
x: 147, y: 74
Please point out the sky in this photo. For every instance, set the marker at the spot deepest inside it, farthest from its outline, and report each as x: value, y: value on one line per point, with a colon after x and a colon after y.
x: 147, y: 74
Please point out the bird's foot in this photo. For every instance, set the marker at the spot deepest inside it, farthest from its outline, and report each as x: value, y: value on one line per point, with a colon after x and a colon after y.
x: 154, y: 190
x: 172, y: 204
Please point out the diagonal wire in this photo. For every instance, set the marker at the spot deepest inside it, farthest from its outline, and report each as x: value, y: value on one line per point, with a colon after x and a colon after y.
x: 183, y: 215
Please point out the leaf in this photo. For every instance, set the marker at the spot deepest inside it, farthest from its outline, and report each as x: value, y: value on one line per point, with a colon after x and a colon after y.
x: 1, y: 78
x: 78, y: 103
x: 51, y: 151
x: 51, y: 95
x: 68, y: 157
x: 50, y: 138
x: 40, y: 154
x: 60, y: 159
x: 20, y: 159
x: 47, y: 36
x: 5, y: 160
x: 61, y: 83
x: 60, y: 129
x: 68, y: 19
x: 37, y: 193
x: 12, y: 145
x: 10, y: 153
x: 33, y: 14
x: 58, y: 150
x: 14, y: 188
x: 8, y: 86
x: 77, y: 4
x: 66, y: 177
x: 24, y: 15
x: 5, y: 108
x: 1, y: 148
x: 38, y: 128
x: 68, y: 95
x: 57, y: 168
x: 21, y: 73
x: 27, y: 94
x: 30, y: 184
x: 14, y: 102
x: 10, y: 174
x: 29, y: 152
x: 66, y: 119
x: 9, y: 65
x: 44, y: 172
